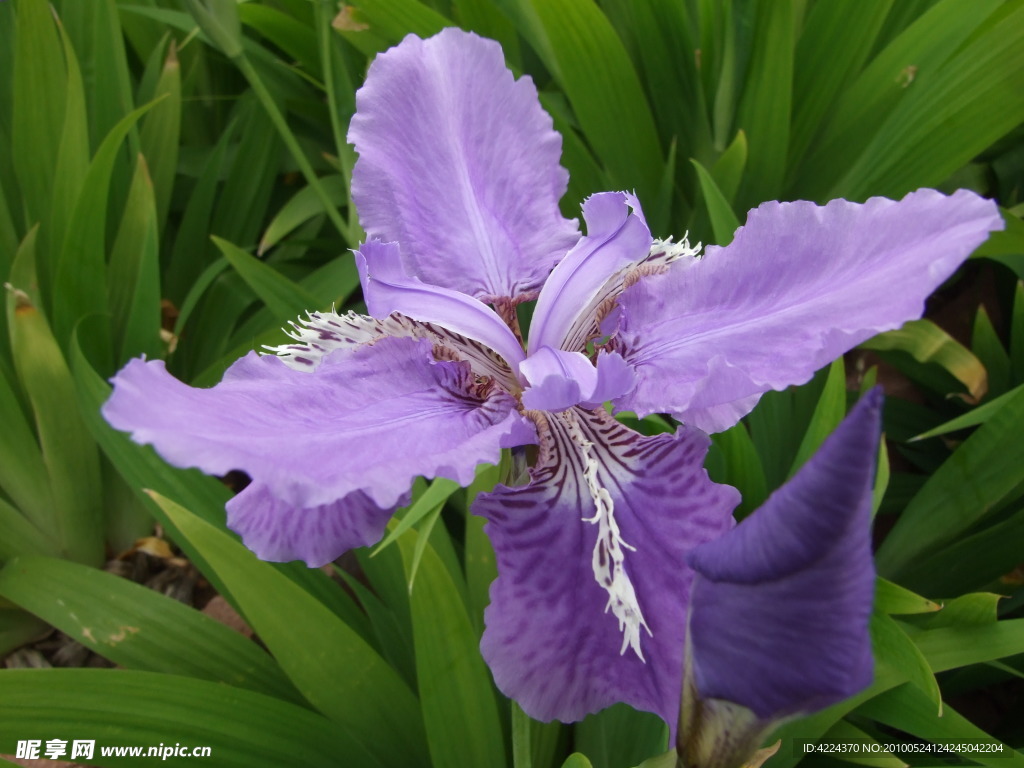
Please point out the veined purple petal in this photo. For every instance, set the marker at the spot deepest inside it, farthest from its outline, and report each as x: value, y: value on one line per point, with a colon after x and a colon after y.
x: 320, y: 333
x: 278, y: 532
x: 367, y: 419
x: 387, y: 288
x: 459, y: 164
x: 781, y: 604
x: 560, y: 380
x: 616, y: 237
x: 603, y: 502
x: 798, y: 286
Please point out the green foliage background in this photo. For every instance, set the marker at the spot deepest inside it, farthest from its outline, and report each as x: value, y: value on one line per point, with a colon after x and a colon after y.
x: 174, y: 181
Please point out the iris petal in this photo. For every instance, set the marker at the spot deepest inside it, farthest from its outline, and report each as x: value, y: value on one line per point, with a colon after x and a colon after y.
x: 371, y: 419
x: 278, y: 532
x: 617, y: 237
x: 387, y: 288
x: 552, y: 640
x: 799, y: 285
x: 459, y: 163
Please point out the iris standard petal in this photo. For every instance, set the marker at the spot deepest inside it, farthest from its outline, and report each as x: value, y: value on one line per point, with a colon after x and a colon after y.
x: 781, y: 604
x: 278, y: 532
x: 617, y: 237
x: 459, y: 163
x: 387, y: 288
x: 371, y: 419
x: 591, y: 566
x: 799, y: 285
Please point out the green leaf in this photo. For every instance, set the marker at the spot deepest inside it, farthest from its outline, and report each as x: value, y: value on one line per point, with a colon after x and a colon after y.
x: 161, y: 129
x: 620, y: 735
x: 580, y: 47
x: 1017, y: 335
x: 23, y: 474
x: 577, y: 760
x: 459, y: 707
x: 973, y: 561
x: 481, y: 566
x: 330, y: 664
x: 728, y: 169
x: 18, y: 535
x: 973, y: 417
x: 891, y: 598
x: 127, y: 707
x: 668, y: 760
x: 284, y: 298
x: 734, y: 460
x: 906, y: 709
x: 37, y: 123
x: 978, y: 474
x: 69, y: 453
x: 72, y: 157
x: 989, y: 349
x: 894, y: 649
x: 296, y: 39
x: 138, y: 628
x: 828, y: 413
x: 80, y: 272
x: 936, y: 129
x: 864, y: 107
x: 834, y: 44
x: 134, y: 272
x: 723, y: 219
x: 882, y: 477
x: 304, y: 205
x: 845, y: 732
x: 433, y: 498
x: 192, y: 247
x: 929, y: 344
x: 18, y: 628
x: 952, y: 647
x: 978, y: 608
x: 765, y: 107
x: 392, y: 20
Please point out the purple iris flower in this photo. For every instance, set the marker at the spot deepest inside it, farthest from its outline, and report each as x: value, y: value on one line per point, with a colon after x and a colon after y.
x: 457, y: 185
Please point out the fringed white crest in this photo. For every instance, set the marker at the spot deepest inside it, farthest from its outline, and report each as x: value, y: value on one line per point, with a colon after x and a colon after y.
x: 609, y: 556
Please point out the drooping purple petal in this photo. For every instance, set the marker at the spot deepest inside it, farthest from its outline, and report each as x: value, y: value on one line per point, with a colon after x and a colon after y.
x: 387, y: 288
x: 781, y: 604
x: 278, y: 532
x: 459, y: 164
x: 560, y: 380
x: 554, y: 640
x: 371, y: 419
x: 798, y: 286
x: 616, y: 238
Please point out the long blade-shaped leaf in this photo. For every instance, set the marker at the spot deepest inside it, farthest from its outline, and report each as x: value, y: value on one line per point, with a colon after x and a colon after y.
x: 328, y: 662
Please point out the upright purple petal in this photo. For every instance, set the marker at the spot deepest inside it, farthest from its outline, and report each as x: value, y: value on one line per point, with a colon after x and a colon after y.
x: 798, y: 286
x: 370, y: 419
x: 616, y: 238
x: 459, y: 164
x: 603, y: 500
x: 278, y: 532
x: 781, y: 604
x: 387, y: 288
